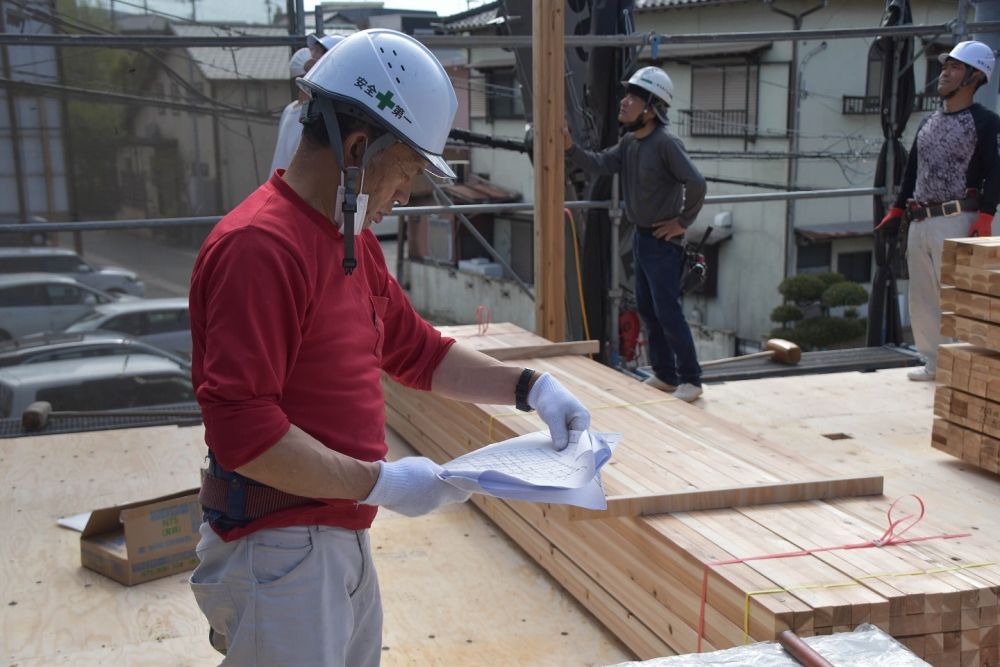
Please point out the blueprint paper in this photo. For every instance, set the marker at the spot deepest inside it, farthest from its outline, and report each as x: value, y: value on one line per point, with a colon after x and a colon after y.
x: 528, y: 467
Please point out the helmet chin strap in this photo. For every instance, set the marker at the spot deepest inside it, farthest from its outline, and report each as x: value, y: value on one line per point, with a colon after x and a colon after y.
x: 352, y: 176
x: 966, y: 80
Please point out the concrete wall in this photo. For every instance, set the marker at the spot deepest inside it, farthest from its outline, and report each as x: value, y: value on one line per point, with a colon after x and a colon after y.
x: 447, y: 295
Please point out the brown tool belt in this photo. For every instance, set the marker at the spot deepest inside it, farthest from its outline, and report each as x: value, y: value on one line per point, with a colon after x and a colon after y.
x: 917, y: 211
x: 258, y: 500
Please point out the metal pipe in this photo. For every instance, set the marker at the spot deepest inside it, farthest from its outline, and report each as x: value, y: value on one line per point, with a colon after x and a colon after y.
x: 509, y: 41
x: 614, y: 292
x: 801, y: 651
x: 95, y: 225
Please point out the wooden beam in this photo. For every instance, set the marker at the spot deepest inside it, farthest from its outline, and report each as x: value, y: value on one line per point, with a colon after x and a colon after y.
x: 738, y: 496
x: 548, y: 111
x: 542, y: 351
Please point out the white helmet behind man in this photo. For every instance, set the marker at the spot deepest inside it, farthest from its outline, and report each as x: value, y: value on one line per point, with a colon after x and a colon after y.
x: 396, y: 83
x: 326, y: 42
x: 974, y: 54
x: 297, y: 64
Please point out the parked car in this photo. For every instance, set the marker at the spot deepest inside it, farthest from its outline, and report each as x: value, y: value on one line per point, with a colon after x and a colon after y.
x: 64, y: 261
x: 23, y: 238
x: 60, y: 345
x: 95, y: 383
x: 34, y: 302
x: 160, y: 322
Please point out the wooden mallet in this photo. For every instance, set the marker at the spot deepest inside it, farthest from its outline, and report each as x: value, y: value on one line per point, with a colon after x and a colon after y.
x: 780, y: 350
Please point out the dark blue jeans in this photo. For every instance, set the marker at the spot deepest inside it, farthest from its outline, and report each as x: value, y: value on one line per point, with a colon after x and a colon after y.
x: 658, y: 267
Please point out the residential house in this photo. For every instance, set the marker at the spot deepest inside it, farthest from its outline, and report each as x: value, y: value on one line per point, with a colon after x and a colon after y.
x: 743, y: 109
x: 206, y: 155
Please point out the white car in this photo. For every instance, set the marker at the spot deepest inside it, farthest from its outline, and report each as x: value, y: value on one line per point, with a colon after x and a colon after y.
x: 160, y: 322
x: 95, y: 383
x: 35, y: 302
x: 63, y: 261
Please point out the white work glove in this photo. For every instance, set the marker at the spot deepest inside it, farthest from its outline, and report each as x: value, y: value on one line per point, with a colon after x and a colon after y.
x: 411, y: 486
x: 562, y: 413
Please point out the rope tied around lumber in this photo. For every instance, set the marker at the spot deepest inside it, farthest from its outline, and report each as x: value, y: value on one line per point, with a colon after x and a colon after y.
x: 892, y: 536
x: 611, y: 406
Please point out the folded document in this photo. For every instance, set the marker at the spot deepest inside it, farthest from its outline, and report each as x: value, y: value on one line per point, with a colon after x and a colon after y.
x: 528, y: 467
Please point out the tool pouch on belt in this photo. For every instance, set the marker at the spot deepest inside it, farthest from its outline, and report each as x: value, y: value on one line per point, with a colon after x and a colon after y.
x: 229, y: 499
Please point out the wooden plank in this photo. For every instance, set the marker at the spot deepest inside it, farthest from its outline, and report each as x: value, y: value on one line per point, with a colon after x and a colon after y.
x: 738, y: 496
x: 543, y: 351
x: 548, y: 106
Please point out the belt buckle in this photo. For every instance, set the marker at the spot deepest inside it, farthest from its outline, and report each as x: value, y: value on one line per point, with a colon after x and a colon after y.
x: 957, y: 208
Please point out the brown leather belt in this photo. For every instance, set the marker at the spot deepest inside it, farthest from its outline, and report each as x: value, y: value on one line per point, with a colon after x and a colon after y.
x: 917, y: 211
x: 258, y: 500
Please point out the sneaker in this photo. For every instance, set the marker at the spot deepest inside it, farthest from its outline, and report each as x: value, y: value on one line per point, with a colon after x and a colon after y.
x: 657, y: 383
x: 921, y: 375
x: 688, y: 392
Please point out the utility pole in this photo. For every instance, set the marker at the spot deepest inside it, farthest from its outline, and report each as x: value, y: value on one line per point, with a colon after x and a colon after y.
x: 548, y: 109
x: 795, y: 82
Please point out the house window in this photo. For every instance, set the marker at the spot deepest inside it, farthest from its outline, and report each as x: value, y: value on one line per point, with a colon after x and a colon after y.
x: 503, y: 95
x: 813, y: 258
x: 855, y: 266
x: 873, y: 84
x: 723, y: 100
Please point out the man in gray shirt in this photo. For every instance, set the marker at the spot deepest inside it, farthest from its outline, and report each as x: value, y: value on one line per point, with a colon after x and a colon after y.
x: 663, y: 192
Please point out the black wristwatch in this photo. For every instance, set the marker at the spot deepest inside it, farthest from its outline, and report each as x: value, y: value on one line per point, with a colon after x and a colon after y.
x: 521, y: 391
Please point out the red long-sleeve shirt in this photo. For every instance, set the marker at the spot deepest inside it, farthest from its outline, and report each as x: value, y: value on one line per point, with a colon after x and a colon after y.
x: 282, y: 336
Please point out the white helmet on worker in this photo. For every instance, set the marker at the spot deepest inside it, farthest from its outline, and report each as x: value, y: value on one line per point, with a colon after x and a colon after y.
x: 649, y: 83
x: 325, y: 42
x: 394, y: 82
x: 974, y: 54
x: 297, y: 64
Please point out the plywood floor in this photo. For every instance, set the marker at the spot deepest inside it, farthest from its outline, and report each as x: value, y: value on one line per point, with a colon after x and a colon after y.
x: 456, y: 591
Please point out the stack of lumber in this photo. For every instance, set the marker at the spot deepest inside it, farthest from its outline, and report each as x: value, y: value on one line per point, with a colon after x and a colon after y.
x: 967, y: 402
x: 693, y: 579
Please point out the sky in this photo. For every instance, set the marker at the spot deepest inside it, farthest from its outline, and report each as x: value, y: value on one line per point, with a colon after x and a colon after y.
x: 442, y: 7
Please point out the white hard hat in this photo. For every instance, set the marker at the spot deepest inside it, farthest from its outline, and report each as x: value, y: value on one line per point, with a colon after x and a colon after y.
x: 397, y: 84
x: 973, y: 54
x: 297, y: 65
x: 325, y: 41
x: 653, y: 80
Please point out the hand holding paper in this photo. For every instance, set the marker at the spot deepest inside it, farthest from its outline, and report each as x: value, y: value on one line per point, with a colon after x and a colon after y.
x: 529, y: 467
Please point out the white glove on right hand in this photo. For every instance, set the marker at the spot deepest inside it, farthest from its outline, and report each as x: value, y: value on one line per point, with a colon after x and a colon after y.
x: 411, y: 486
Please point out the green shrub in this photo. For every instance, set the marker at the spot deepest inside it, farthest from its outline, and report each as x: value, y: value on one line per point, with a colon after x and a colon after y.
x: 800, y: 288
x: 785, y: 313
x: 844, y: 294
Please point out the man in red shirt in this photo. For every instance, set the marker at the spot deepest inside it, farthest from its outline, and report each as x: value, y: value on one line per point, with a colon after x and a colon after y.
x: 294, y: 318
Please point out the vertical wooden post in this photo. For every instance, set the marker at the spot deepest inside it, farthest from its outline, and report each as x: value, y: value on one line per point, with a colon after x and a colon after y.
x: 548, y: 109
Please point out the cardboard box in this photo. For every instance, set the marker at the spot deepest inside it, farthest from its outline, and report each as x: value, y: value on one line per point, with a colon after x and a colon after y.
x: 144, y: 540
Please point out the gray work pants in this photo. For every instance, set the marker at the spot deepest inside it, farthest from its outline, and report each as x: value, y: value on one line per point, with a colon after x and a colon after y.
x: 305, y: 595
x: 925, y: 241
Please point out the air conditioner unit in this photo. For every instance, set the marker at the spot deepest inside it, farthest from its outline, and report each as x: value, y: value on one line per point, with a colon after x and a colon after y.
x: 441, y: 240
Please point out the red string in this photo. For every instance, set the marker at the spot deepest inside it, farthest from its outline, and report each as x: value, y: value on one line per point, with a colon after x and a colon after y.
x: 482, y: 320
x: 888, y: 538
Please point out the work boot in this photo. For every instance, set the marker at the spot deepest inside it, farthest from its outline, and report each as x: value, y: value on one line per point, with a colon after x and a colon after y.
x: 657, y: 383
x: 688, y: 392
x: 922, y: 374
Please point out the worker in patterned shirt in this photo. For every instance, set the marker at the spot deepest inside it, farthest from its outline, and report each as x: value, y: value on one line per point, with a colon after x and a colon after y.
x: 950, y: 188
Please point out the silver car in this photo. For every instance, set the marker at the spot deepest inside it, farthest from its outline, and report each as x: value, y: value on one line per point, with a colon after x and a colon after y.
x: 95, y: 383
x: 34, y: 302
x: 64, y: 261
x: 160, y: 322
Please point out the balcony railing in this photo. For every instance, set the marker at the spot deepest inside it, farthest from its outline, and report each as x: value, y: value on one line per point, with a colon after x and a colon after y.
x: 872, y: 104
x: 715, y: 123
